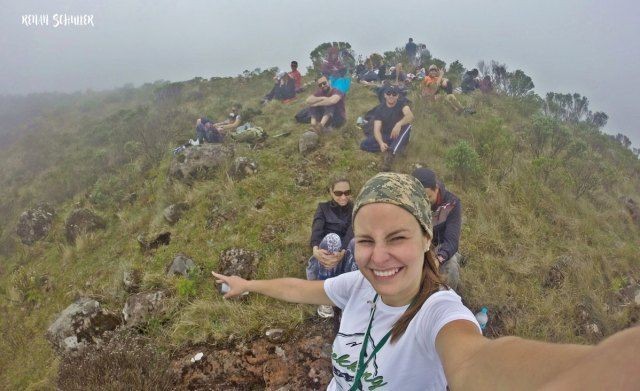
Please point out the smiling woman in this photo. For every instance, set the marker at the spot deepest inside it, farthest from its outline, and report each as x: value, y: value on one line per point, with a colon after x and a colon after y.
x: 402, y: 328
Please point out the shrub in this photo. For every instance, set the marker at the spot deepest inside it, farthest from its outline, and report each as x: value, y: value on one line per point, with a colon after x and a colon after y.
x: 463, y: 161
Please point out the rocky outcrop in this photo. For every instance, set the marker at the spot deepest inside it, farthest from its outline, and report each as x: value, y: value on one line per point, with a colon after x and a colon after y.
x: 308, y: 142
x: 173, y: 212
x: 242, y: 167
x: 302, y: 364
x: 81, y: 324
x: 34, y: 224
x: 200, y: 162
x: 161, y: 239
x: 140, y: 306
x: 238, y: 262
x: 82, y: 221
x: 181, y: 265
x: 131, y: 280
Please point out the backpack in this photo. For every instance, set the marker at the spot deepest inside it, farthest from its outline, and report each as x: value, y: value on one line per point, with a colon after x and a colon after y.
x: 249, y: 134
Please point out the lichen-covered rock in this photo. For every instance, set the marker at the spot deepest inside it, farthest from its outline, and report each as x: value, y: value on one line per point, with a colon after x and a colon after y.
x: 200, y: 162
x: 34, y: 224
x: 182, y: 265
x: 238, y: 262
x: 161, y: 239
x: 308, y: 142
x: 242, y: 167
x: 131, y: 280
x: 82, y: 221
x: 81, y: 324
x: 140, y: 306
x: 173, y: 212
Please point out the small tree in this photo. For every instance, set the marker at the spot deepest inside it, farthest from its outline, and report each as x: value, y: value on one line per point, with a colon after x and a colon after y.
x: 455, y: 72
x: 463, y: 161
x: 598, y: 119
x: 519, y: 84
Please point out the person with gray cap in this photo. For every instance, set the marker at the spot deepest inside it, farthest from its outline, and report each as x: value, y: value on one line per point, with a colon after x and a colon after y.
x: 446, y: 210
x: 403, y: 329
x: 391, y: 126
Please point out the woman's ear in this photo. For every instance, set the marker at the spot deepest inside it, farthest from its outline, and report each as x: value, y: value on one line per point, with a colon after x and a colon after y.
x: 427, y: 243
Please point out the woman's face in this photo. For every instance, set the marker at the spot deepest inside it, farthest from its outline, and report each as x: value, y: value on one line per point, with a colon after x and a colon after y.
x: 389, y: 251
x: 341, y: 193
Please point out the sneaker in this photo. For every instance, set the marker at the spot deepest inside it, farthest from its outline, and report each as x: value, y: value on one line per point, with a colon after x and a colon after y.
x: 194, y: 142
x: 325, y: 311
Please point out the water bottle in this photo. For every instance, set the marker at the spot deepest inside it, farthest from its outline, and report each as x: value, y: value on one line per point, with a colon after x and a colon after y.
x: 482, y: 317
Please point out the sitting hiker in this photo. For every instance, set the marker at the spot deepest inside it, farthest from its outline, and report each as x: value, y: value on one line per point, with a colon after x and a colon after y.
x: 232, y: 121
x: 283, y: 90
x: 296, y: 76
x: 397, y: 75
x: 331, y: 237
x: 435, y: 82
x: 447, y: 221
x: 485, y: 85
x: 207, y: 131
x: 391, y: 126
x: 470, y: 81
x: 326, y: 107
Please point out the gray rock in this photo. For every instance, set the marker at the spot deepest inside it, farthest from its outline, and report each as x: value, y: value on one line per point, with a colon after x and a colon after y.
x: 142, y: 305
x: 173, y: 212
x: 637, y: 298
x: 238, y: 262
x: 79, y: 325
x: 275, y: 335
x: 34, y: 224
x: 182, y: 265
x: 242, y: 167
x: 200, y: 162
x: 308, y: 142
x: 82, y: 221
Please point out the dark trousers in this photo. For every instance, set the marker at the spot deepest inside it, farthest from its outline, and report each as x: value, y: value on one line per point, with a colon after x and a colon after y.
x: 395, y: 146
x: 318, y: 112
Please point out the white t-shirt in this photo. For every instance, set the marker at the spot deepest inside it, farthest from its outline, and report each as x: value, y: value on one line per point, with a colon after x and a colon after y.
x: 411, y: 363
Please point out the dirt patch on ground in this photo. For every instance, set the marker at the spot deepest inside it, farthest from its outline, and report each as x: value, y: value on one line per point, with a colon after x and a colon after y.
x: 301, y: 361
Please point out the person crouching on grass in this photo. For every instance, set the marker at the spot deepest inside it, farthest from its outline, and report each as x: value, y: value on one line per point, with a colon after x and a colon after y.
x: 403, y: 329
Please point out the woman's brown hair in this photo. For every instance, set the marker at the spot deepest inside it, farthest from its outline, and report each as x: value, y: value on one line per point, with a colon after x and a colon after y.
x: 430, y: 283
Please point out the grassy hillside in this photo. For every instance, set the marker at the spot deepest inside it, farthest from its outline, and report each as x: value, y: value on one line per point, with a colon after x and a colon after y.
x: 537, y: 196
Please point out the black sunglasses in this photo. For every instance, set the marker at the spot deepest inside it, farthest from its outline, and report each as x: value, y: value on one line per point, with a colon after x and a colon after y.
x: 339, y: 193
x: 391, y: 93
x: 324, y: 83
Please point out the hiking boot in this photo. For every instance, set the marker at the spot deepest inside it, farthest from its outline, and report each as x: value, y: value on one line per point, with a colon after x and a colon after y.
x: 325, y: 311
x: 387, y: 162
x: 194, y: 142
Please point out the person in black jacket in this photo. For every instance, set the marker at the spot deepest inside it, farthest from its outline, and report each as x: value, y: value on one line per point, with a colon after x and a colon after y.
x: 447, y: 222
x: 331, y: 237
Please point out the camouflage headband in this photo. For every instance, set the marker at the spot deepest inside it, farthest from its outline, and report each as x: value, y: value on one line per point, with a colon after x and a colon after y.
x: 402, y: 190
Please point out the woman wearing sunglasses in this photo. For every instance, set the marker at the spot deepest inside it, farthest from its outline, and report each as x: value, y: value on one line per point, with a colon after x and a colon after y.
x: 403, y: 329
x: 331, y: 233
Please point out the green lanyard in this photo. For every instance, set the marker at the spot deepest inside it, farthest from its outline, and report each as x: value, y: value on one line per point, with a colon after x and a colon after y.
x: 362, y: 365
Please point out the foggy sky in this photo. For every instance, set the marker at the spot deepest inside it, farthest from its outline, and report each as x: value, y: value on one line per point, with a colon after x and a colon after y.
x: 587, y: 47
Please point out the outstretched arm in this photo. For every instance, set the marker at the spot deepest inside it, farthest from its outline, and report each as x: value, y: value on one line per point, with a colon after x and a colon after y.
x: 293, y: 290
x: 471, y: 361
